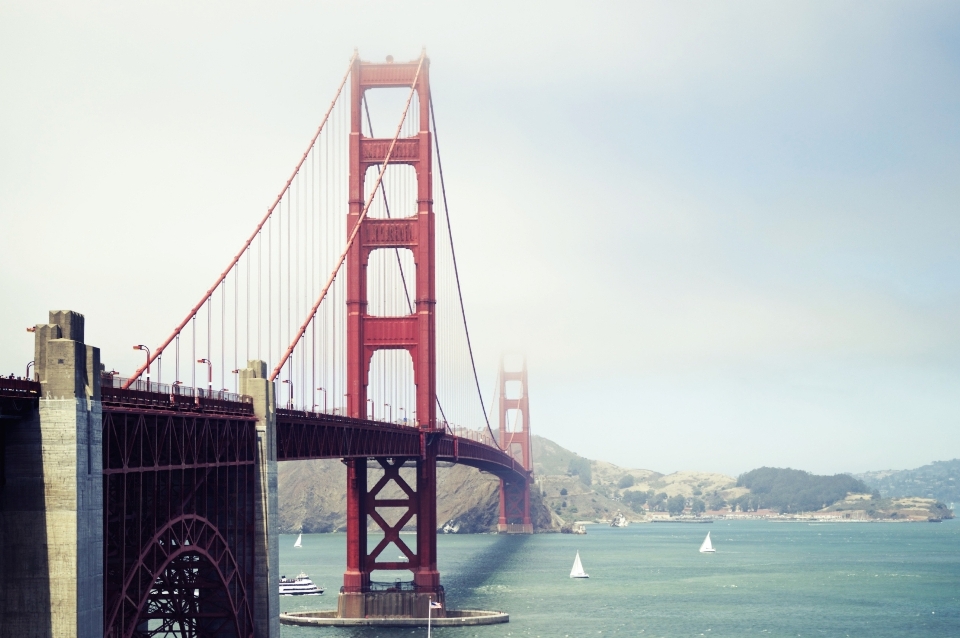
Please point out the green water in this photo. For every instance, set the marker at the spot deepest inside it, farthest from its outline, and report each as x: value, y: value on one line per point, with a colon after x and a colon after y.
x: 766, y: 579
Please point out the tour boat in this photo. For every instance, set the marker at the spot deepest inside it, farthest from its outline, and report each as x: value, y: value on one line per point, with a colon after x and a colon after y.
x: 299, y: 586
x: 299, y: 542
x: 619, y: 520
x: 707, y: 546
x: 577, y: 571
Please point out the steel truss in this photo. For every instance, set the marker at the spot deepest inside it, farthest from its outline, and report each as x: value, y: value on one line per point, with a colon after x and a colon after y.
x: 316, y: 435
x: 178, y: 523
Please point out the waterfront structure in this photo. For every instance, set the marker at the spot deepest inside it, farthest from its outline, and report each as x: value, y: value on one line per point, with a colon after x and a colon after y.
x: 133, y: 507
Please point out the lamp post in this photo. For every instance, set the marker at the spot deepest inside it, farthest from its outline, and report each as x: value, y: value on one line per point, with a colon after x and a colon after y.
x: 236, y: 381
x: 209, y: 375
x: 147, y: 350
x: 389, y: 418
x: 324, y: 399
x: 401, y: 418
x: 27, y: 375
x: 290, y: 400
x: 373, y: 410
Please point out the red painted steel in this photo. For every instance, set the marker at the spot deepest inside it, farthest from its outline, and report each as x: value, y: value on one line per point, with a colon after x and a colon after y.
x: 179, y: 486
x: 193, y: 312
x: 315, y: 435
x: 415, y: 333
x: 14, y: 388
x: 515, y: 494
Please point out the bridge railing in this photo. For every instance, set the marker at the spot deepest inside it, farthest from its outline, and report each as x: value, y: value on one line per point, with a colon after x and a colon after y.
x: 18, y: 387
x: 480, y: 436
x: 399, y: 585
x: 144, y: 394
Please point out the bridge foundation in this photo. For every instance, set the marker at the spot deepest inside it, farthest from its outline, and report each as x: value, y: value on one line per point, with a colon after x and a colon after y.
x: 51, y: 503
x: 255, y: 383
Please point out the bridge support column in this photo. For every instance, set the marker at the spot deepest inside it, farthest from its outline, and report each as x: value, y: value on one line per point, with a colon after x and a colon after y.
x: 51, y: 508
x: 360, y: 596
x: 426, y: 577
x: 515, y: 440
x: 255, y: 383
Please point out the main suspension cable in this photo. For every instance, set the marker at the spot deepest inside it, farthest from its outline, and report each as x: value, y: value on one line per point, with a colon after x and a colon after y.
x: 356, y: 228
x: 193, y: 312
x: 456, y: 271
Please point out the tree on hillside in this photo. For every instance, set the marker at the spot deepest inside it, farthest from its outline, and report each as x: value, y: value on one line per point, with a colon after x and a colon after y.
x: 675, y: 505
x: 580, y: 466
x: 658, y: 503
x: 697, y: 507
x: 635, y: 499
x: 715, y: 501
x: 788, y: 490
x: 625, y: 482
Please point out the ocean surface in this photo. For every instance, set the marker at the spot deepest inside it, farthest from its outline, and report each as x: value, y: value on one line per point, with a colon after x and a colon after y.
x: 765, y: 579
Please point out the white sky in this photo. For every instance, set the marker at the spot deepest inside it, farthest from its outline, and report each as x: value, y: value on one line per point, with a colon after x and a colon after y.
x: 725, y: 234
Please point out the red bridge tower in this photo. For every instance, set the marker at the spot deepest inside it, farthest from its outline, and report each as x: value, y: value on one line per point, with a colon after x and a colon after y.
x: 515, y: 493
x: 415, y: 333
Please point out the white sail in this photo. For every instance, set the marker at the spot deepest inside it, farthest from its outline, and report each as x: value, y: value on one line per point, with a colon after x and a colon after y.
x: 577, y: 571
x: 707, y: 545
x: 299, y: 542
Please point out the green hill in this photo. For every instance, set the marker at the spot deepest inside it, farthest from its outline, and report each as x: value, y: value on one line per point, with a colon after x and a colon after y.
x: 791, y: 491
x: 939, y: 481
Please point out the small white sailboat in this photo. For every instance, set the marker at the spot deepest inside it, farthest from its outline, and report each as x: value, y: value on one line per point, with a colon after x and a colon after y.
x: 707, y: 546
x: 577, y: 571
x: 299, y: 542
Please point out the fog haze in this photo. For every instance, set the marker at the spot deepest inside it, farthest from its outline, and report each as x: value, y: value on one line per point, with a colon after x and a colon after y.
x: 724, y: 234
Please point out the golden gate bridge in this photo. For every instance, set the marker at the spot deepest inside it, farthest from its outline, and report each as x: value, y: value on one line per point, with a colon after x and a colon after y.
x: 337, y: 331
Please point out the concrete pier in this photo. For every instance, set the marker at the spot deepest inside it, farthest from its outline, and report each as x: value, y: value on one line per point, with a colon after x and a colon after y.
x: 255, y: 383
x: 51, y: 507
x: 453, y: 618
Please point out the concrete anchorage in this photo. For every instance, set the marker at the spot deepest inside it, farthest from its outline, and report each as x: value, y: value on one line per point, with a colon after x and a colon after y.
x: 255, y: 384
x: 51, y: 509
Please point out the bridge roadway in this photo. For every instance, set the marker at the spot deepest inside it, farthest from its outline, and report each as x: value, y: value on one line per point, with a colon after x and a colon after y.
x: 303, y: 435
x: 191, y: 449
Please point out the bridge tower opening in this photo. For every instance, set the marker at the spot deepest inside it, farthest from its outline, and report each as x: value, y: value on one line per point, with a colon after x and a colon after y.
x: 515, y: 440
x: 414, y: 332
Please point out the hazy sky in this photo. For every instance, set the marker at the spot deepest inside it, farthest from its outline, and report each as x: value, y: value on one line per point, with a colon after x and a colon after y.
x: 725, y: 234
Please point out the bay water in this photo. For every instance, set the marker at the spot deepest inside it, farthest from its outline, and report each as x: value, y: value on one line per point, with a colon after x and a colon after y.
x: 765, y: 579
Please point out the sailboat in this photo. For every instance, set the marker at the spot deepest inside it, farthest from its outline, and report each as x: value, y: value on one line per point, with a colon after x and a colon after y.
x: 707, y: 547
x: 577, y: 571
x: 299, y: 542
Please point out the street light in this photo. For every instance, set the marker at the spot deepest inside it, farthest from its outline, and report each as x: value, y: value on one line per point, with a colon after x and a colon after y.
x: 390, y: 418
x: 373, y: 411
x: 290, y: 402
x: 147, y: 350
x: 324, y: 399
x: 27, y: 375
x: 209, y: 374
x: 402, y: 419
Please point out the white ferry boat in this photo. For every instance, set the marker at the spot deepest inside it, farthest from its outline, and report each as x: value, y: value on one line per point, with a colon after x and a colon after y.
x: 299, y: 586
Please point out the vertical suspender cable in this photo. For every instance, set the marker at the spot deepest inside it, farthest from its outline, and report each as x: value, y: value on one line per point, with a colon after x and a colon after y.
x: 456, y: 273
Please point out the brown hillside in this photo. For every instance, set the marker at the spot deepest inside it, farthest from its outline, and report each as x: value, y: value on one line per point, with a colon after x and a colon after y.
x: 312, y: 497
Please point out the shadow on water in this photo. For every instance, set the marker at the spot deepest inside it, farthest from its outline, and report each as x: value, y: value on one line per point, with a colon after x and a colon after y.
x: 477, y: 570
